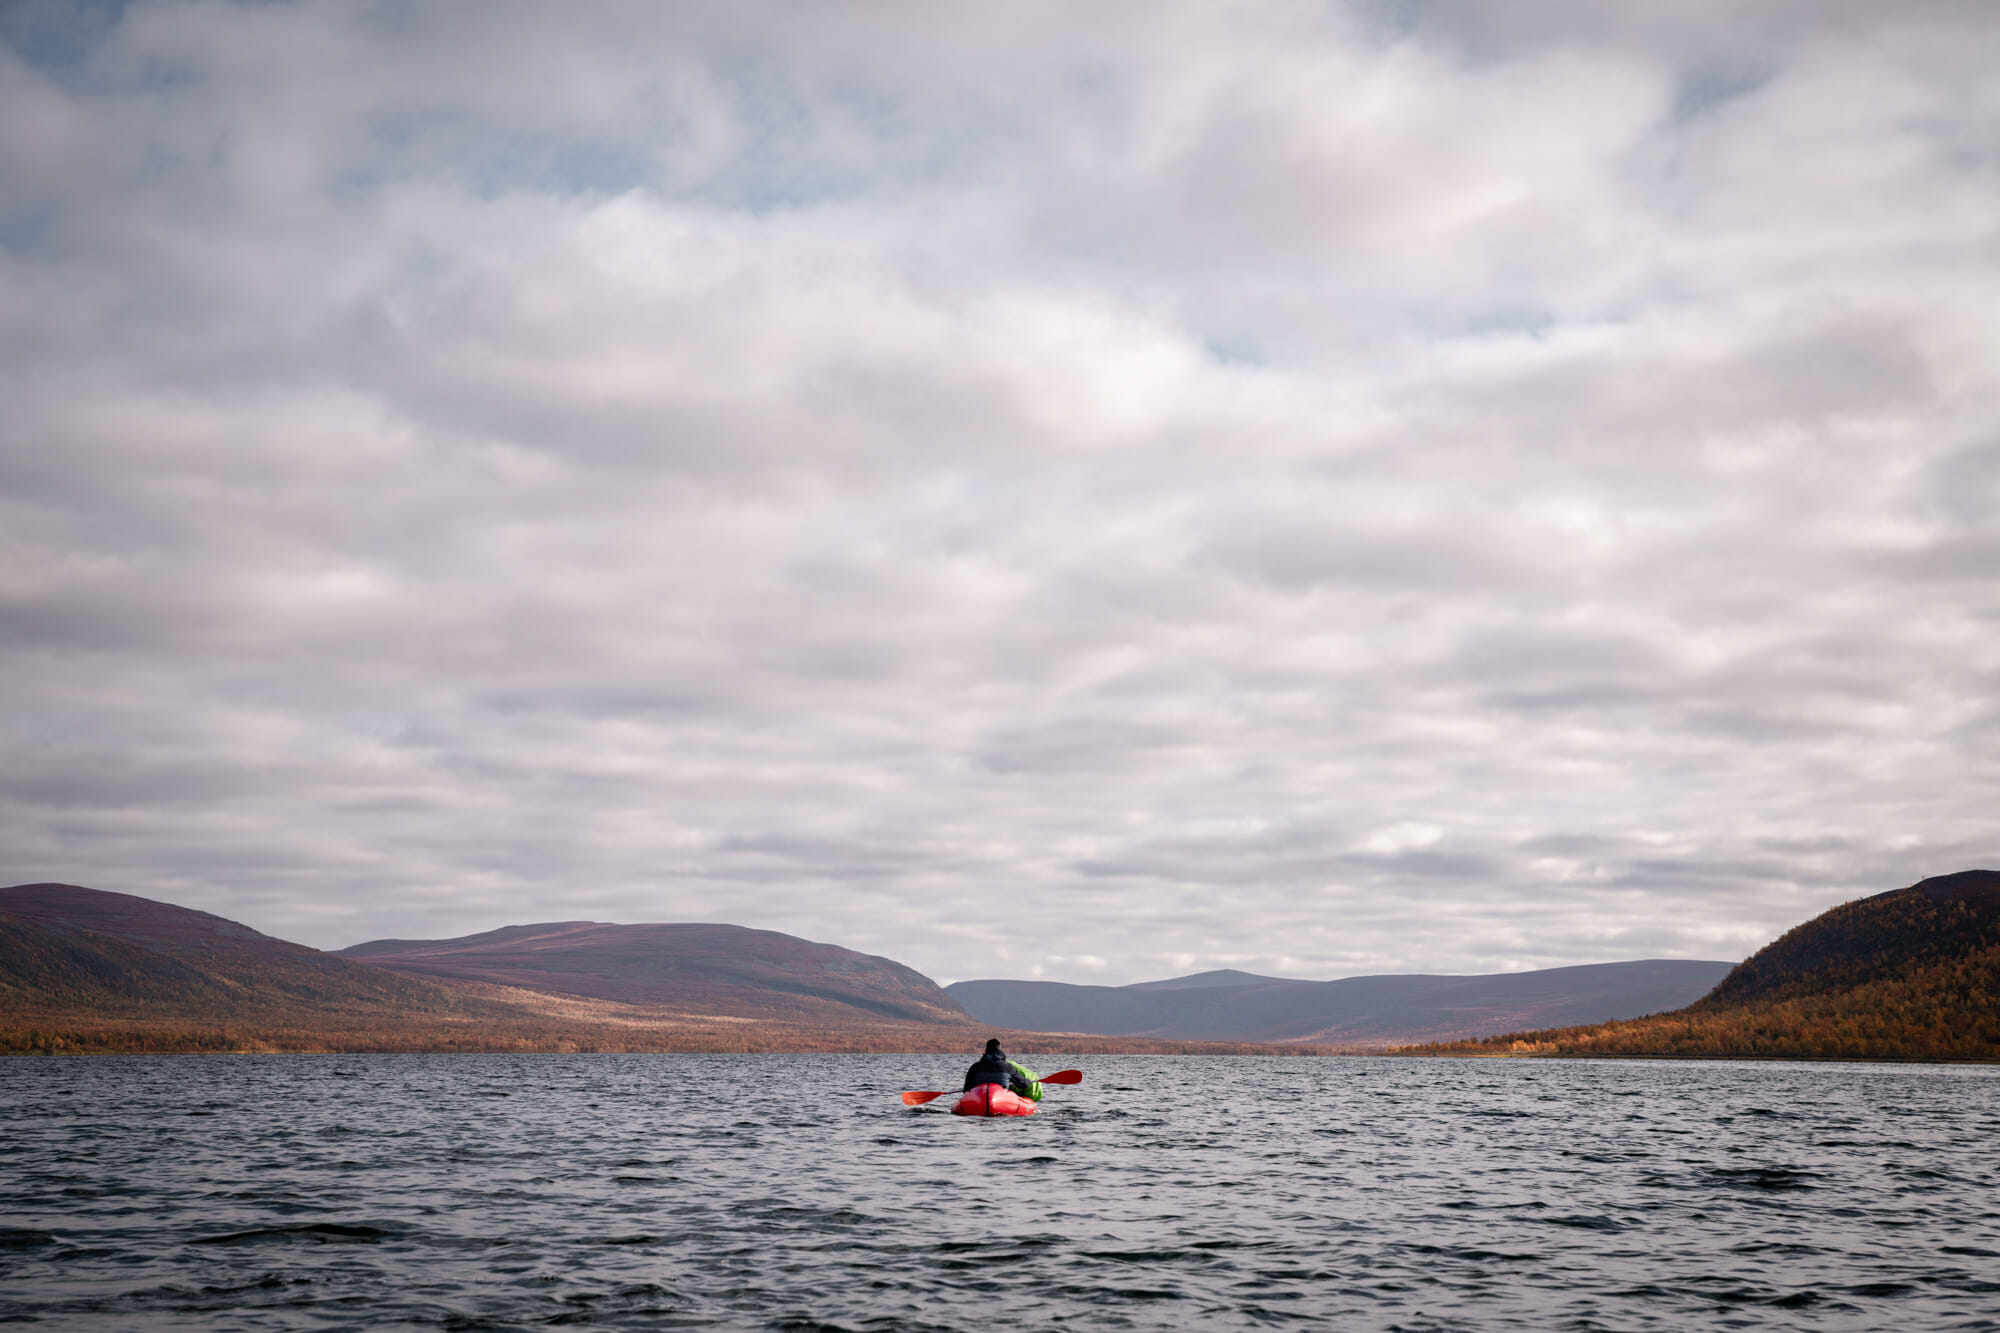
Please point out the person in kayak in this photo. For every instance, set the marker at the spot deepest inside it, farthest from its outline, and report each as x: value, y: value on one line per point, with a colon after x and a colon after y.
x: 995, y: 1067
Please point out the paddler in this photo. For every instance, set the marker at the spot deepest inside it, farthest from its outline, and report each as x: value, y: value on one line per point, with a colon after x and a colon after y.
x: 995, y: 1067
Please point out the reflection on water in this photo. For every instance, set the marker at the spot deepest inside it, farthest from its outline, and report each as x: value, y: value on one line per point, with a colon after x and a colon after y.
x: 650, y: 1191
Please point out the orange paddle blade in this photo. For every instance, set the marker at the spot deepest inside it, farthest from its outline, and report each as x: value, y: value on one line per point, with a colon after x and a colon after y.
x: 1064, y: 1076
x: 919, y: 1098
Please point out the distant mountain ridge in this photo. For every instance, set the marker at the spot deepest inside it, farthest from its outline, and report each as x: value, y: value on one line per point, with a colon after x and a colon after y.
x: 716, y: 969
x: 1913, y: 973
x: 1226, y: 976
x: 1351, y: 1011
x: 84, y: 970
x: 1910, y: 974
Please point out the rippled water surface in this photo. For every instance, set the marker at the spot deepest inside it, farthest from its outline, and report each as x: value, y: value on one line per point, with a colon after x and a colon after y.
x: 495, y: 1192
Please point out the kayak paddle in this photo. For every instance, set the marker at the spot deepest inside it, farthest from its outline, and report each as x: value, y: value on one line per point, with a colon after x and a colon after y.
x: 1060, y: 1076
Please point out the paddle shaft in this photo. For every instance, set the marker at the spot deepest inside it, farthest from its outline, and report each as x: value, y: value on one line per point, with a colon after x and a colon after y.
x: 1060, y: 1076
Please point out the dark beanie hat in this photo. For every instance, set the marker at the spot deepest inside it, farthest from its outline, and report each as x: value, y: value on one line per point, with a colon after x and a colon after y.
x: 993, y: 1046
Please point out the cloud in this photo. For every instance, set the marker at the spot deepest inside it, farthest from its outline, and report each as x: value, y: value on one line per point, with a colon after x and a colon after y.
x: 1316, y: 490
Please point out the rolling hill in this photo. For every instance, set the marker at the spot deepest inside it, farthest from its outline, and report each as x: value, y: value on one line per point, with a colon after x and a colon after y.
x: 85, y: 969
x: 1354, y: 1011
x: 68, y: 949
x: 710, y: 969
x: 82, y: 970
x: 1913, y: 973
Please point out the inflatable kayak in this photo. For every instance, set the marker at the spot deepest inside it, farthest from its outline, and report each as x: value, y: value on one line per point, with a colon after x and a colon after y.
x: 991, y: 1099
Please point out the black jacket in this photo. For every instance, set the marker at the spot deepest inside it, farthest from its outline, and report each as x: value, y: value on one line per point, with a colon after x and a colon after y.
x: 995, y: 1069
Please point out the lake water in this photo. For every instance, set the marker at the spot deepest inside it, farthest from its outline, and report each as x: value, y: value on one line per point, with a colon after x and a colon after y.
x: 797, y: 1192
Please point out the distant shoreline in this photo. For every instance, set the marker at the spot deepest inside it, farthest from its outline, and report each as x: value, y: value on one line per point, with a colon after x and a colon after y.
x: 75, y: 1042
x: 98, y: 1038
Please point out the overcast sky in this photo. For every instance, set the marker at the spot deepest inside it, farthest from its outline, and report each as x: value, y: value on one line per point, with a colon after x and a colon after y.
x: 1084, y: 491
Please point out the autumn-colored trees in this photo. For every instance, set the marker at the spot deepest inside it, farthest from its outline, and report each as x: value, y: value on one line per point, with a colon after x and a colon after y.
x: 1913, y: 974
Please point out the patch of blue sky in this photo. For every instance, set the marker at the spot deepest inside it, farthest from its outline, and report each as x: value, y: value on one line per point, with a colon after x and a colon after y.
x: 58, y: 37
x: 779, y: 161
x: 563, y: 167
x: 1393, y: 19
x: 761, y: 183
x: 1704, y: 88
x: 27, y: 231
x: 488, y: 160
x: 62, y: 40
x: 1509, y: 321
x: 1235, y: 349
x: 850, y: 138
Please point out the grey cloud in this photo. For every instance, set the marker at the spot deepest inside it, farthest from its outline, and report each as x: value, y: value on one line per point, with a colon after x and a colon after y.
x: 736, y: 463
x: 1293, y: 553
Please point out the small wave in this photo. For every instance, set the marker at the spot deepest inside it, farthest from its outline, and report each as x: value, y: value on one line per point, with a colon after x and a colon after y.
x: 1107, y: 1295
x: 268, y: 1282
x: 1584, y: 1222
x: 1231, y: 1244
x: 1790, y: 1249
x: 1173, y: 1255
x: 1798, y: 1300
x: 318, y: 1232
x: 11, y: 1239
x: 1472, y: 1254
x: 1731, y: 1291
x: 1764, y: 1177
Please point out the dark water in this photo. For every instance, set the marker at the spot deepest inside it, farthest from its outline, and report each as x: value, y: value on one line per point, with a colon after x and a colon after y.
x: 499, y: 1192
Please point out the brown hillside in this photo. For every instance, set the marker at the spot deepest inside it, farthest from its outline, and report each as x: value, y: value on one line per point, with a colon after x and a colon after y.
x: 68, y: 949
x: 1910, y: 974
x: 1889, y: 935
x: 713, y: 969
x: 82, y: 970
